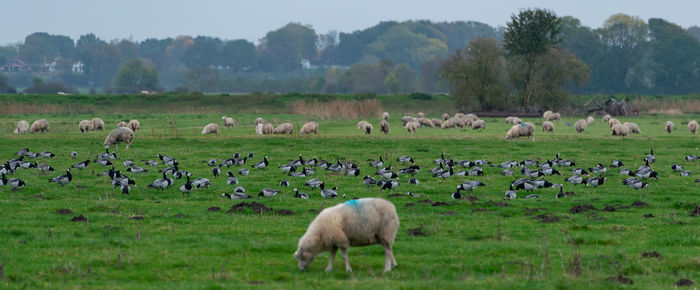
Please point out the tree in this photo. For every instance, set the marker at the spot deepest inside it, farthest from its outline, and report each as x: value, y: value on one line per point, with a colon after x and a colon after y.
x: 528, y: 38
x: 5, y: 87
x: 136, y: 75
x: 201, y: 79
x: 203, y: 53
x: 283, y: 49
x: 676, y: 58
x: 40, y: 47
x: 402, y: 45
x: 238, y: 55
x: 392, y: 83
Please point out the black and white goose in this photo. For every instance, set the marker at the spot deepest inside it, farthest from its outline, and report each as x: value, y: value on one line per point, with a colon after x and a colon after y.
x: 63, y: 179
x: 528, y: 185
x: 470, y: 185
x: 511, y: 194
x: 235, y: 195
x: 691, y: 158
x: 328, y: 193
x: 136, y: 169
x: 311, y: 162
x: 480, y: 162
x: 337, y: 167
x: 646, y: 174
x: 73, y: 154
x: 465, y: 163
x: 635, y: 183
x: 298, y: 162
x: 579, y: 171
x: 594, y: 181
x: 369, y: 181
x: 22, y: 152
x: 162, y: 183
x: 180, y: 174
x: 125, y: 189
x: 507, y: 172
x: 550, y: 171
x: 598, y: 169
x: 167, y: 160
x: 45, y: 167
x: 389, y: 184
x: 3, y: 179
x: 528, y: 162
x: 243, y: 172
x: 268, y: 192
x: 287, y: 168
x: 441, y: 160
x: 239, y: 189
x: 405, y: 159
x: 531, y: 196
x: 284, y: 183
x: 301, y: 195
x: 685, y: 173
x: 561, y: 193
x: 107, y: 155
x: 625, y: 171
x: 676, y: 168
x: 82, y: 165
x: 457, y: 194
x: 201, y: 182
x: 354, y: 171
x: 262, y: 164
x: 232, y: 180
x: 26, y: 164
x: 413, y: 181
x: 16, y: 183
x: 650, y: 157
x: 444, y: 174
x: 47, y: 154
x: 575, y: 180
x: 172, y: 169
x: 128, y: 163
x: 508, y: 164
x: 476, y: 171
x: 216, y: 171
x: 388, y: 174
x: 152, y: 163
x: 103, y: 161
x: 212, y: 162
x: 187, y: 187
x: 616, y: 163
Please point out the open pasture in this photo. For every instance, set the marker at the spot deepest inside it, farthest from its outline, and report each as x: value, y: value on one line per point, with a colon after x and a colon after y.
x: 600, y: 237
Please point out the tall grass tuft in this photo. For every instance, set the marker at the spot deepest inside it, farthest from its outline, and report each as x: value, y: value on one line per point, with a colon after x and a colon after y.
x: 338, y: 109
x: 668, y: 106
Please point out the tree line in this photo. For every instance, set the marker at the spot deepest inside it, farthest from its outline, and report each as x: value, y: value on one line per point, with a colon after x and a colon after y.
x: 625, y: 55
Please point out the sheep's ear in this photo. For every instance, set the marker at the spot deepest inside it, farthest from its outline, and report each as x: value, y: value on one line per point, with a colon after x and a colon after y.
x: 297, y: 253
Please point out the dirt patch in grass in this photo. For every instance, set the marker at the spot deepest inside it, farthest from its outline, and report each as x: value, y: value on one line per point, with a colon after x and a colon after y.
x: 449, y: 213
x: 639, y: 204
x: 439, y: 203
x: 615, y: 207
x: 180, y: 216
x: 472, y: 198
x: 80, y: 218
x: 426, y: 201
x: 64, y: 211
x: 569, y: 193
x: 684, y: 282
x: 696, y: 211
x: 416, y: 232
x: 620, y: 279
x: 652, y: 254
x: 395, y: 195
x: 582, y: 208
x: 284, y: 212
x: 479, y: 210
x: 547, y: 218
x: 213, y: 208
x: 532, y: 211
x: 137, y: 217
x: 648, y: 216
x: 408, y: 204
x: 500, y: 203
x: 255, y: 206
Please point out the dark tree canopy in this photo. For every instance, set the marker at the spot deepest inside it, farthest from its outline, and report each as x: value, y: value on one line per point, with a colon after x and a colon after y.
x: 531, y: 32
x: 136, y: 75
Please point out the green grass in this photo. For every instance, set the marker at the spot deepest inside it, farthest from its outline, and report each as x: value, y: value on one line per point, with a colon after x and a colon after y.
x: 477, y: 244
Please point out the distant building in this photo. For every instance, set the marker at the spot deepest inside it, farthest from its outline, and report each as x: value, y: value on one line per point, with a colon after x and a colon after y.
x: 16, y: 65
x: 78, y: 67
x: 306, y: 64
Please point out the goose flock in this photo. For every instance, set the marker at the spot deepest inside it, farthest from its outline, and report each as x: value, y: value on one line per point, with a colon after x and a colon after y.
x: 385, y: 177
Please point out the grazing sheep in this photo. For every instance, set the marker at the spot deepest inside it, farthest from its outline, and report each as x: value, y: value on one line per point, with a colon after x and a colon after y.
x: 411, y: 127
x: 459, y: 115
x: 524, y: 129
x: 121, y: 134
x: 358, y: 222
x: 362, y: 124
x: 547, y: 126
x: 425, y: 122
x: 406, y: 119
x: 84, y: 126
x: 452, y: 123
x: 22, y: 127
x: 40, y: 125
x: 669, y: 126
x: 547, y: 114
x: 309, y: 128
x: 227, y: 122
x: 211, y: 128
x: 613, y: 122
x: 385, y: 116
x: 470, y: 116
x: 633, y: 128
x: 693, y: 126
x: 445, y: 116
x: 478, y: 124
x: 122, y: 124
x: 620, y: 130
x: 97, y: 124
x: 606, y: 118
x: 384, y: 127
x: 513, y: 120
x: 267, y: 129
x: 590, y: 120
x: 134, y: 125
x: 259, y: 129
x: 466, y: 121
x: 284, y: 128
x: 421, y: 115
x: 259, y: 121
x: 437, y: 122
x: 580, y: 125
x: 368, y: 129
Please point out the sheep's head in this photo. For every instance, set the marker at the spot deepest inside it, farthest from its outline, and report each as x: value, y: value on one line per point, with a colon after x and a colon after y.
x: 304, y: 258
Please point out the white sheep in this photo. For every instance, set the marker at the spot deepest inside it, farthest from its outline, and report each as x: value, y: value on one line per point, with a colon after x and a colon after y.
x: 547, y: 114
x: 513, y: 120
x: 411, y: 127
x: 211, y: 128
x: 40, y: 125
x: 478, y: 124
x: 284, y: 128
x: 669, y: 126
x: 134, y: 125
x: 619, y: 130
x: 259, y: 121
x: 365, y: 127
x: 358, y: 222
x: 385, y: 115
x: 606, y: 118
x: 384, y: 127
x: 445, y: 116
x: 309, y: 128
x: 121, y: 134
x: 406, y: 119
x: 267, y: 129
x: 437, y: 122
x: 425, y: 122
x: 612, y: 122
x: 227, y: 122
x: 421, y: 115
x: 524, y: 129
x: 580, y: 125
x: 550, y: 116
x: 22, y: 127
x: 84, y: 126
x: 693, y: 126
x: 122, y: 124
x: 259, y: 129
x: 633, y: 127
x: 547, y: 126
x: 96, y: 124
x: 459, y: 115
x: 590, y: 120
x: 452, y: 123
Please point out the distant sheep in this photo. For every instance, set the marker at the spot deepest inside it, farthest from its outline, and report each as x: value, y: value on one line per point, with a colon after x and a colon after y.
x: 406, y: 119
x: 606, y: 118
x: 40, y: 125
x: 84, y: 126
x: 362, y: 124
x: 478, y: 124
x: 522, y: 130
x: 309, y: 128
x: 669, y: 126
x: 633, y: 128
x: 122, y: 124
x: 547, y: 126
x: 580, y: 125
x: 546, y: 115
x: 121, y: 134
x: 459, y: 115
x: 267, y: 129
x: 368, y: 129
x: 513, y: 120
x: 445, y: 116
x: 22, y: 127
x: 550, y: 116
x: 259, y: 129
x: 425, y: 122
x: 284, y: 128
x: 384, y: 127
x: 619, y: 130
x: 411, y: 127
x: 466, y: 122
x: 421, y: 115
x: 96, y: 124
x: 385, y: 116
x: 470, y: 116
x: 211, y: 128
x: 359, y: 222
x: 259, y: 121
x: 437, y: 122
x: 134, y: 125
x: 612, y: 122
x: 693, y: 126
x: 452, y: 123
x: 590, y: 120
x: 227, y: 122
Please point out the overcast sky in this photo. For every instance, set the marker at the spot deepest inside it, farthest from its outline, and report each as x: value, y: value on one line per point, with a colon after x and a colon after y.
x: 251, y: 20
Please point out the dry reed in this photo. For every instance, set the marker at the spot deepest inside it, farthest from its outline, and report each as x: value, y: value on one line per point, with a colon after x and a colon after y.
x: 338, y: 109
x: 667, y: 106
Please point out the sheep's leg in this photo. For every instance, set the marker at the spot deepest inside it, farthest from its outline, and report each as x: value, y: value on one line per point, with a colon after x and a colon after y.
x: 330, y: 261
x: 389, y: 262
x: 344, y: 252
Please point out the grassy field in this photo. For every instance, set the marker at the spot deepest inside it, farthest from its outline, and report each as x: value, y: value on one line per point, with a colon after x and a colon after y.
x: 154, y: 239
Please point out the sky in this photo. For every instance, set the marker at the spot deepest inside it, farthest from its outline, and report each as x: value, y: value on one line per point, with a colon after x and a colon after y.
x: 252, y: 19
